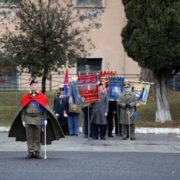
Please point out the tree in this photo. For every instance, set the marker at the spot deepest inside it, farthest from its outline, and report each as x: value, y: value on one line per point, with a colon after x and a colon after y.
x: 151, y: 37
x: 48, y: 33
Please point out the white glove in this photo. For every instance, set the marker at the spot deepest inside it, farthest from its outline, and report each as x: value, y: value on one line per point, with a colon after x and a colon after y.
x: 24, y: 124
x: 56, y: 114
x: 45, y: 122
x: 65, y: 115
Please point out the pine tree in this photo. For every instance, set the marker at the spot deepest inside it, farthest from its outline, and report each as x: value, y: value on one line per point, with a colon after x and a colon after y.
x: 151, y: 37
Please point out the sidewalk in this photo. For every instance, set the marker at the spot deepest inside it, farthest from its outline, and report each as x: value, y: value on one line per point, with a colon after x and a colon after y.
x: 159, y: 143
x: 159, y: 140
x: 138, y: 130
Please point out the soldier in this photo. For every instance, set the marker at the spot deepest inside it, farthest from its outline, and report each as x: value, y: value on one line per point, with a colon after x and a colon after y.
x: 60, y: 103
x: 127, y: 101
x: 33, y: 115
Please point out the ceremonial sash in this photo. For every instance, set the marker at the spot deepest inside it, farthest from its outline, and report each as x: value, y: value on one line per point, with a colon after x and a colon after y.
x: 41, y: 109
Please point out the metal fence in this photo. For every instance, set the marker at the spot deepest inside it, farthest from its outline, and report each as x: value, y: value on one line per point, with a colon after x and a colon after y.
x: 174, y: 83
x: 17, y: 82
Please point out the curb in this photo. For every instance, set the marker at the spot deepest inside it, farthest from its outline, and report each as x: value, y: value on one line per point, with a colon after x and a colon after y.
x: 158, y: 130
x: 4, y: 129
x: 138, y: 130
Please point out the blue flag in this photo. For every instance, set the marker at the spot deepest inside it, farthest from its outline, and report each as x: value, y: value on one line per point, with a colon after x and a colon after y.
x: 134, y: 116
x: 115, y: 87
x: 74, y: 92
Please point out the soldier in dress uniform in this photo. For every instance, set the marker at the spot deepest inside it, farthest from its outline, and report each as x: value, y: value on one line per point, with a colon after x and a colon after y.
x: 34, y: 115
x: 60, y: 104
x: 127, y: 101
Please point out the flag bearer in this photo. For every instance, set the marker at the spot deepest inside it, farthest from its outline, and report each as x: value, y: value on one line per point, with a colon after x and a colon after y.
x: 127, y: 101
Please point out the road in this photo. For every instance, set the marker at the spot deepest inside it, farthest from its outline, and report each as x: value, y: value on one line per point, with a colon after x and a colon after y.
x: 91, y: 166
x: 150, y: 157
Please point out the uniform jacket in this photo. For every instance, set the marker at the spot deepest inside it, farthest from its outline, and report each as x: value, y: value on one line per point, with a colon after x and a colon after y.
x: 60, y: 104
x: 99, y: 109
x: 53, y: 131
x: 123, y: 100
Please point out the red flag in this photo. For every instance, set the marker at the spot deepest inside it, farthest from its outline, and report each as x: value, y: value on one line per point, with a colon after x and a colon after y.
x: 2, y: 81
x: 66, y: 81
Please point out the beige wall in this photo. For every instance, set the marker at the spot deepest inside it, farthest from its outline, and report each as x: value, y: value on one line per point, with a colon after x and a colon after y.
x: 108, y: 39
x: 108, y: 44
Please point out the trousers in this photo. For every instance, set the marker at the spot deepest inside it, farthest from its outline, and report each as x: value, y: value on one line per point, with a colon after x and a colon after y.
x: 33, y: 135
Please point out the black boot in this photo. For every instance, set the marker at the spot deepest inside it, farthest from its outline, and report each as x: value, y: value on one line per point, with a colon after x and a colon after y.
x: 37, y: 155
x: 30, y: 155
x: 110, y: 135
x: 133, y: 138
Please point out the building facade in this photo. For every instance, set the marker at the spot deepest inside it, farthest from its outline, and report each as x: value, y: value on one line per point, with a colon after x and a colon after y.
x: 108, y: 53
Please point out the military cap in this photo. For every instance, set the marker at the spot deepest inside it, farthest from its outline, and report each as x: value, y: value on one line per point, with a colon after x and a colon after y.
x: 33, y: 81
x: 126, y: 85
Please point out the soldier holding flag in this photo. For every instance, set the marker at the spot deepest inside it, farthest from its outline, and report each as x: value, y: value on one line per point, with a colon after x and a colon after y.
x: 127, y: 101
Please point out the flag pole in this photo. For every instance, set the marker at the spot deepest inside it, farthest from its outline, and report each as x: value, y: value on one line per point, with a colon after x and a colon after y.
x: 118, y: 118
x: 45, y: 157
x: 88, y: 124
x: 129, y: 124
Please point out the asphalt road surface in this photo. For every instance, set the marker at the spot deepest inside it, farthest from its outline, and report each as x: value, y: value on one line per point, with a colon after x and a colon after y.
x: 91, y: 166
x: 150, y: 157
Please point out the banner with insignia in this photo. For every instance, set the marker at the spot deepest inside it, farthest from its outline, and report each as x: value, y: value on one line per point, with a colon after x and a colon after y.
x: 104, y: 75
x: 88, y: 88
x: 115, y: 87
x: 74, y: 92
x: 141, y: 90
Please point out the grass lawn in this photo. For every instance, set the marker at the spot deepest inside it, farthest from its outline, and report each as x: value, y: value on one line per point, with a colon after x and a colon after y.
x: 146, y: 113
x: 9, y: 104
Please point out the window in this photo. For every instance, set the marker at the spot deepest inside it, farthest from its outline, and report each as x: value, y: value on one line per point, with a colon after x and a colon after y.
x: 92, y: 65
x: 6, y: 3
x: 8, y: 81
x: 5, y: 13
x: 9, y: 1
x: 2, y: 2
x: 90, y: 3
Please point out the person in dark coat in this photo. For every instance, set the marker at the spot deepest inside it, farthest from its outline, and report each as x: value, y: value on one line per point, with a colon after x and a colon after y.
x: 60, y: 103
x: 31, y: 119
x: 128, y: 102
x: 99, y: 114
x: 113, y: 112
